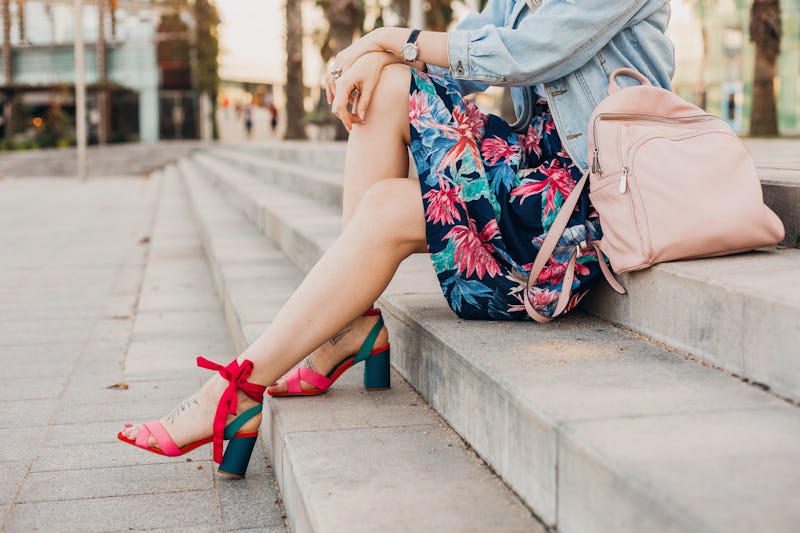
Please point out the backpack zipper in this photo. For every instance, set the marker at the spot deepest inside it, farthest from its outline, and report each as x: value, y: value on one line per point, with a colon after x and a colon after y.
x: 635, y: 116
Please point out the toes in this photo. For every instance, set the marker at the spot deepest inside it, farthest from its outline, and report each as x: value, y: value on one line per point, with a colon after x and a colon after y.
x: 278, y: 386
x: 130, y: 430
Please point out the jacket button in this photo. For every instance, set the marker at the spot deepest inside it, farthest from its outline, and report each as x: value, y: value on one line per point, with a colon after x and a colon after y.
x: 460, y: 68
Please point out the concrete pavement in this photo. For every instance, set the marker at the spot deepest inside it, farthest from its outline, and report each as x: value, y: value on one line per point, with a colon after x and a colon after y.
x: 103, y: 284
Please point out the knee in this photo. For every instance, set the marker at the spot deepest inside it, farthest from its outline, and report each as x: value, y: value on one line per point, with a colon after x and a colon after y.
x: 377, y: 205
x: 391, y: 209
x: 392, y: 88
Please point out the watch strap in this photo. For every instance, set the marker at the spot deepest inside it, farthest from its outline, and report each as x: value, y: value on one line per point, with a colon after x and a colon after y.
x: 412, y: 37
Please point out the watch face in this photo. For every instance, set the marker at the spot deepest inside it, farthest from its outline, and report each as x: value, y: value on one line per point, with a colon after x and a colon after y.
x: 410, y: 52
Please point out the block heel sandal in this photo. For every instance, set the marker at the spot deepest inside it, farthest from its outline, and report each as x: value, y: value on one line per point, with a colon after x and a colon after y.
x: 233, y: 462
x: 376, y: 367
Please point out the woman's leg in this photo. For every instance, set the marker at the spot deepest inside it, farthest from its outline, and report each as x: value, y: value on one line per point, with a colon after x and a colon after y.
x: 388, y: 225
x: 377, y: 149
x: 385, y: 225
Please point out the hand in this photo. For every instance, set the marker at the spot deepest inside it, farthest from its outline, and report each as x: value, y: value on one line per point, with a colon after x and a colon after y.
x: 347, y: 57
x: 360, y: 47
x: 355, y: 87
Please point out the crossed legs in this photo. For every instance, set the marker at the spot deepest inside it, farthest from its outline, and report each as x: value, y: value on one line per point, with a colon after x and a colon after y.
x: 383, y: 224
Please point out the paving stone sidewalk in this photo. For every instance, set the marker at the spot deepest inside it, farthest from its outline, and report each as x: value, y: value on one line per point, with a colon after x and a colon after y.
x: 105, y: 283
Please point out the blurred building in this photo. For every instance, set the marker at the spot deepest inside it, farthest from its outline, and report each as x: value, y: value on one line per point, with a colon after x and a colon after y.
x: 138, y: 69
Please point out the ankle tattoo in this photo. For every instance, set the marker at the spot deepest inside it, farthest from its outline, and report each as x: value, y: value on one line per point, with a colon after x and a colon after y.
x: 185, y: 405
x: 336, y: 338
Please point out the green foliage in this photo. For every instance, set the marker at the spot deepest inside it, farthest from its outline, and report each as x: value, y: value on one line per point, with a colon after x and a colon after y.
x: 207, y: 46
x: 207, y: 53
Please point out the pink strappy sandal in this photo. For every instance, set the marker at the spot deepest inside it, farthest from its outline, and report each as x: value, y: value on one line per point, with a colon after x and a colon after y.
x: 233, y: 463
x: 376, y: 367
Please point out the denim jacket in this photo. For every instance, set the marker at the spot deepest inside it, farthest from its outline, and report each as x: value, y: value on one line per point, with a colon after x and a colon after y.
x: 570, y: 46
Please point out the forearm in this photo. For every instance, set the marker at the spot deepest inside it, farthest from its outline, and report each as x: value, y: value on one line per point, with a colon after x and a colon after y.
x: 432, y: 45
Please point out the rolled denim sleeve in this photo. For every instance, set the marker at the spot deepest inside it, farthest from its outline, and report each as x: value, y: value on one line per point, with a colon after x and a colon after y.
x: 549, y: 43
x: 492, y: 15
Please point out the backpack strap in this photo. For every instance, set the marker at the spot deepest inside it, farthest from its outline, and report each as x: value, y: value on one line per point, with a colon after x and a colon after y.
x: 550, y: 241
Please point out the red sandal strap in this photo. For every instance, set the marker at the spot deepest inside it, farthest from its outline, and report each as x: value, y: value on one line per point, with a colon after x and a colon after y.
x: 303, y: 373
x: 236, y: 374
x: 155, y: 429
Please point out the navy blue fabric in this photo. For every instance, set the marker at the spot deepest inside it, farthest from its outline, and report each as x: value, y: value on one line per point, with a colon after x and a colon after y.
x: 490, y: 195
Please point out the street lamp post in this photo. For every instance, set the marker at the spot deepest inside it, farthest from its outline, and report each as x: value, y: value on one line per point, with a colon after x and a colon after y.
x: 80, y: 91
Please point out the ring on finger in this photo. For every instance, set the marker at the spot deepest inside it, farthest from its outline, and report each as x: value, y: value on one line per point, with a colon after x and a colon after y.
x: 336, y: 72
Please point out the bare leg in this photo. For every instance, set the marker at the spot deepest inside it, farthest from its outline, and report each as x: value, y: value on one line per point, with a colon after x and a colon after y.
x: 386, y: 225
x: 377, y: 150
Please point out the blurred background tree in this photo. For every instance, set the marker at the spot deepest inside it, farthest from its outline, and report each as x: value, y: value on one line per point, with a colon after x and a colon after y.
x: 765, y: 33
x: 207, y: 56
x: 703, y: 10
x: 295, y: 88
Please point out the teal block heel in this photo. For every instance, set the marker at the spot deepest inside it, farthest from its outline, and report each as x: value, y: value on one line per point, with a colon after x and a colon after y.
x: 376, y: 371
x: 237, y: 456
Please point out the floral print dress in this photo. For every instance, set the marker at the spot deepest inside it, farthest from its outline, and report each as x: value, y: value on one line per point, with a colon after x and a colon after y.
x: 490, y: 196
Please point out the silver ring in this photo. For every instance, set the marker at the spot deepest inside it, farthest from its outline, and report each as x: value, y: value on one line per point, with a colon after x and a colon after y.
x: 336, y: 72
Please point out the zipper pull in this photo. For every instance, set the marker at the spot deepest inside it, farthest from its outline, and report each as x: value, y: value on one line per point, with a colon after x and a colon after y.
x: 623, y: 182
x: 596, y: 163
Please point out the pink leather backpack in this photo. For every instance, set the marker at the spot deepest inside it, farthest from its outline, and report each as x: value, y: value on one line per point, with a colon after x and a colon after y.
x: 669, y: 181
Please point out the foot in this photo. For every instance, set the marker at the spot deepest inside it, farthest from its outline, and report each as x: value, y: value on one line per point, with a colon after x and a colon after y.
x: 192, y: 419
x: 344, y: 344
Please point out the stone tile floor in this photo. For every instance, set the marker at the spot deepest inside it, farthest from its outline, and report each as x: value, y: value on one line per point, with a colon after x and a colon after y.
x: 101, y: 283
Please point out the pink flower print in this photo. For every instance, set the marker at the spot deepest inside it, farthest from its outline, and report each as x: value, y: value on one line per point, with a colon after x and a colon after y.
x: 531, y: 143
x: 549, y: 125
x: 442, y: 203
x: 496, y: 149
x: 473, y: 253
x: 574, y: 300
x: 552, y: 273
x: 477, y: 120
x: 516, y: 307
x: 464, y: 134
x: 541, y: 298
x: 558, y: 179
x: 563, y: 153
x: 418, y: 107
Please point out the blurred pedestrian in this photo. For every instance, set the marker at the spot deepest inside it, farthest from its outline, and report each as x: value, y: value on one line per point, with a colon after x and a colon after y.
x: 248, y: 121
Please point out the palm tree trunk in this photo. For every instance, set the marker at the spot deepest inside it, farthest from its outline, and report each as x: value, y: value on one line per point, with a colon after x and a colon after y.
x: 765, y: 32
x: 21, y: 19
x: 344, y: 19
x: 295, y: 87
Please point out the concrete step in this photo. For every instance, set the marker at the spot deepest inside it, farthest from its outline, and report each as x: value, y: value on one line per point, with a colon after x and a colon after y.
x: 323, y: 185
x: 102, y: 161
x: 777, y: 160
x: 594, y: 428
x: 325, y: 155
x: 348, y: 460
x: 778, y: 163
x: 695, y: 306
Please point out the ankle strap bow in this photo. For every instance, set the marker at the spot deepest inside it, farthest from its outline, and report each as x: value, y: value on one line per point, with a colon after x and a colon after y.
x: 236, y: 374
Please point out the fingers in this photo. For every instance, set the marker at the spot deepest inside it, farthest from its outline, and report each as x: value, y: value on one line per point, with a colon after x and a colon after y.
x: 362, y: 104
x: 330, y: 89
x: 346, y: 96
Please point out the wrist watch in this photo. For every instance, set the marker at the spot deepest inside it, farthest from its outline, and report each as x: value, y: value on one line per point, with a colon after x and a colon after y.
x: 410, y: 50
